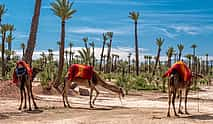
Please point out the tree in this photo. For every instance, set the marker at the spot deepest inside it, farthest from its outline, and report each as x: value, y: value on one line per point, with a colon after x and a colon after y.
x: 4, y: 29
x: 23, y: 48
x: 159, y: 42
x: 33, y: 33
x: 10, y: 38
x: 189, y: 56
x: 134, y: 16
x: 85, y: 40
x: 207, y: 63
x: 93, y: 52
x: 110, y: 35
x: 3, y: 10
x: 169, y: 54
x: 102, y: 51
x: 194, y: 46
x: 129, y: 60
x: 70, y: 53
x: 62, y: 9
x: 180, y: 48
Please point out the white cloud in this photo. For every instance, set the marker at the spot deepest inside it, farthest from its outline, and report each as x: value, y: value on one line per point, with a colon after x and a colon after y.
x: 186, y: 29
x: 84, y: 30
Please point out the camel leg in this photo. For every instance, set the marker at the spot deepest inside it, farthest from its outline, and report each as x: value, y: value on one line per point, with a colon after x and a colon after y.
x: 180, y: 97
x: 90, y: 100
x: 173, y: 101
x: 169, y: 102
x: 21, y: 93
x: 25, y: 98
x: 66, y: 93
x: 186, y: 95
x: 31, y: 92
x: 28, y: 93
x: 97, y: 93
x: 63, y: 93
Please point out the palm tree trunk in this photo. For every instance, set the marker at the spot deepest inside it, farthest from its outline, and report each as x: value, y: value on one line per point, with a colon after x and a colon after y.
x: 102, y: 54
x: 93, y: 56
x: 23, y: 51
x: 2, y: 54
x: 156, y: 62
x: 61, y: 56
x: 108, y: 57
x: 136, y: 49
x: 33, y: 33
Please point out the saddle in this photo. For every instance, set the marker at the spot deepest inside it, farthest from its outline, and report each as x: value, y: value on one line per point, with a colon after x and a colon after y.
x: 21, y: 71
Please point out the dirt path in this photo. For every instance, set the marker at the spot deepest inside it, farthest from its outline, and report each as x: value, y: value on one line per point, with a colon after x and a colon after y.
x: 147, y: 107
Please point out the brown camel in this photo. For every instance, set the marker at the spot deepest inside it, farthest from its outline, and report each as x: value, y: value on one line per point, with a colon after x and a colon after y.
x: 176, y: 84
x: 24, y: 80
x: 92, y: 83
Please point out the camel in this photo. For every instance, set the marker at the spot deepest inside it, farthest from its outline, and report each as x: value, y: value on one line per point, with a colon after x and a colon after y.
x: 90, y: 79
x: 179, y: 83
x: 23, y: 79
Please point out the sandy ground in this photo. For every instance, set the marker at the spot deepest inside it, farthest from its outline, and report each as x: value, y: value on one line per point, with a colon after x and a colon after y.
x: 145, y: 107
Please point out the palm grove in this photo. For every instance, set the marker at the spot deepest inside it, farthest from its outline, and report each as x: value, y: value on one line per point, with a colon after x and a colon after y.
x: 129, y: 72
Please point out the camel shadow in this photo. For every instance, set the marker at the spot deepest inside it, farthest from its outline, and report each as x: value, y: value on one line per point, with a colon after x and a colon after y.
x: 35, y: 111
x: 200, y: 117
x: 3, y: 116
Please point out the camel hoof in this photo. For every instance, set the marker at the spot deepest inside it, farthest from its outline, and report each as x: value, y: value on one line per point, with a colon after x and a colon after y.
x: 30, y: 109
x: 177, y: 115
x: 180, y: 112
x: 19, y: 108
x: 187, y: 113
x: 25, y: 107
x: 168, y: 115
x: 36, y: 107
x: 69, y: 106
x: 91, y: 106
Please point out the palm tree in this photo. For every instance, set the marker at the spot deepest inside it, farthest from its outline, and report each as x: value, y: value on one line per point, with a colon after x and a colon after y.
x: 10, y: 38
x: 3, y: 10
x: 159, y: 42
x: 66, y: 56
x: 180, y: 48
x: 189, y: 56
x: 194, y: 46
x: 102, y: 52
x: 85, y: 39
x: 169, y: 54
x: 150, y: 59
x: 70, y: 53
x: 207, y: 63
x: 62, y: 9
x: 23, y: 48
x: 93, y: 52
x: 33, y: 33
x: 110, y: 35
x: 4, y: 29
x: 129, y: 60
x: 134, y: 16
x: 85, y: 55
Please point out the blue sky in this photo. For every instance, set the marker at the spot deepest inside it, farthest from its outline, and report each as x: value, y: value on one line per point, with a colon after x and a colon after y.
x: 177, y: 21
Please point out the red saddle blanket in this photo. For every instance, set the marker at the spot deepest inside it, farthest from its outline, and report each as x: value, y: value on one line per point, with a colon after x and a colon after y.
x: 80, y: 71
x: 26, y: 66
x: 182, y: 69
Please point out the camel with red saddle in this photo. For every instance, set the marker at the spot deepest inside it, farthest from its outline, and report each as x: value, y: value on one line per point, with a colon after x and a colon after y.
x: 23, y: 77
x: 180, y: 79
x: 83, y: 75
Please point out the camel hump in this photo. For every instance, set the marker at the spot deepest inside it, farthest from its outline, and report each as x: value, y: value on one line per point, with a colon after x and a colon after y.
x: 80, y: 71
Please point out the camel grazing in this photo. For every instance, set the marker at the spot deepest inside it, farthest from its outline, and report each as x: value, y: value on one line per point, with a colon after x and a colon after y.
x: 23, y: 76
x: 180, y: 79
x: 85, y: 76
